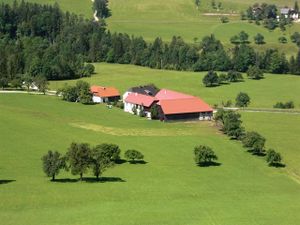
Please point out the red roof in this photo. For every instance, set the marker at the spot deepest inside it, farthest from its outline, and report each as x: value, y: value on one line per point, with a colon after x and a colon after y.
x: 185, y: 105
x: 140, y: 99
x: 165, y: 94
x: 104, y: 92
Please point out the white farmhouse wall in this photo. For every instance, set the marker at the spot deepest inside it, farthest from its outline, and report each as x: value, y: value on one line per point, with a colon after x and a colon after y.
x: 97, y: 99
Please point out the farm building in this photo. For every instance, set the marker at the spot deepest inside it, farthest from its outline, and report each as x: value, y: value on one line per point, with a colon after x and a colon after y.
x: 171, y: 105
x: 104, y: 94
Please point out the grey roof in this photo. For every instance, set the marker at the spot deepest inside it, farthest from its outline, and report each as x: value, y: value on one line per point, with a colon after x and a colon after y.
x: 150, y: 90
x: 284, y: 11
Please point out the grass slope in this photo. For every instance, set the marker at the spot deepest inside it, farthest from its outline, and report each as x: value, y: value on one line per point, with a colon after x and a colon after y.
x: 169, y: 189
x: 264, y: 93
x: 281, y: 132
x: 181, y: 18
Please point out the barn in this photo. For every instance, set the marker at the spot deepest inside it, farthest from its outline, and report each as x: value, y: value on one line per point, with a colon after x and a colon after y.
x: 104, y: 94
x: 171, y: 105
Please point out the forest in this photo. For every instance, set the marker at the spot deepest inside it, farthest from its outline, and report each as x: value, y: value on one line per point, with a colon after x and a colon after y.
x: 42, y: 40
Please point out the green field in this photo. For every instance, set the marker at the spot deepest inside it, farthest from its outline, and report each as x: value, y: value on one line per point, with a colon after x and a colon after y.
x: 264, y: 93
x: 169, y: 189
x: 281, y: 131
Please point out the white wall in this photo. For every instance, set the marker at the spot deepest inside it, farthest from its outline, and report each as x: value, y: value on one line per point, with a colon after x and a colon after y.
x: 97, y: 99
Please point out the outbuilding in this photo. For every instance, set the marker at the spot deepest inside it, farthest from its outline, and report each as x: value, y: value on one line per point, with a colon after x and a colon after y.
x: 104, y: 94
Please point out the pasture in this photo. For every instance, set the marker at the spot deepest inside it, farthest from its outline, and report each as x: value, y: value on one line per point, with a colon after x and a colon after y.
x: 169, y: 189
x: 264, y: 93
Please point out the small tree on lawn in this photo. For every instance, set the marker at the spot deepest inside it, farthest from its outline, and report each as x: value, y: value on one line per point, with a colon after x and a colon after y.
x: 79, y: 158
x: 204, y: 155
x: 259, y: 39
x: 242, y: 99
x: 53, y: 162
x: 255, y: 142
x: 234, y: 76
x: 273, y: 158
x: 133, y: 155
x: 100, y: 161
x: 255, y: 73
x: 211, y: 79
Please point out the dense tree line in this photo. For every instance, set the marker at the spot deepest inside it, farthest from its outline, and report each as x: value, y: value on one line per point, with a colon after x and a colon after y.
x: 42, y: 40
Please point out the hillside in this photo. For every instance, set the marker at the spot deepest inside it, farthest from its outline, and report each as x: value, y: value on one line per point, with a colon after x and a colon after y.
x: 165, y: 19
x: 169, y: 189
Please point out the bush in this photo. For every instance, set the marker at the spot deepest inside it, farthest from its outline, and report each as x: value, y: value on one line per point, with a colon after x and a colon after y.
x: 282, y: 40
x: 287, y: 105
x: 133, y: 155
x: 242, y: 100
x: 119, y: 104
x: 273, y: 158
x: 224, y: 19
x: 255, y: 73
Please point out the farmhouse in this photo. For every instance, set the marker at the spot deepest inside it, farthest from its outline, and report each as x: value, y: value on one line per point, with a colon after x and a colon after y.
x: 104, y: 94
x: 171, y: 105
x: 289, y: 13
x: 135, y: 103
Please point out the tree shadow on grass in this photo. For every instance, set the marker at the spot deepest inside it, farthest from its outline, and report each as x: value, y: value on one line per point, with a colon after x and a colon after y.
x: 138, y: 162
x: 208, y: 164
x: 120, y: 161
x: 90, y: 180
x: 277, y: 165
x: 6, y: 181
x: 261, y: 154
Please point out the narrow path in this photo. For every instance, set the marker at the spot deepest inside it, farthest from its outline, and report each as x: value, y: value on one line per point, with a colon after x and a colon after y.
x: 254, y: 110
x: 51, y: 93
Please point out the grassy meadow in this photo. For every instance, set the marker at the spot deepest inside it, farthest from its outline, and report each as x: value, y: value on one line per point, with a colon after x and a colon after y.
x: 264, y: 93
x: 169, y: 189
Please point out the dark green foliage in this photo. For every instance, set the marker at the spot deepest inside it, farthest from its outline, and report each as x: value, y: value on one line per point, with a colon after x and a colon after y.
x: 211, y: 79
x: 88, y: 70
x: 102, y: 8
x: 230, y: 123
x: 197, y: 2
x: 255, y: 73
x: 100, y: 160
x: 16, y: 83
x: 259, y: 39
x: 287, y: 105
x: 234, y: 76
x: 133, y: 155
x: 243, y: 57
x: 53, y: 162
x: 154, y: 112
x: 224, y: 19
x: 242, y: 100
x: 79, y: 93
x: 79, y: 158
x: 295, y: 64
x: 223, y: 78
x: 282, y: 40
x: 295, y: 38
x: 254, y: 142
x: 273, y: 158
x: 3, y: 82
x: 110, y: 151
x: 204, y: 155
